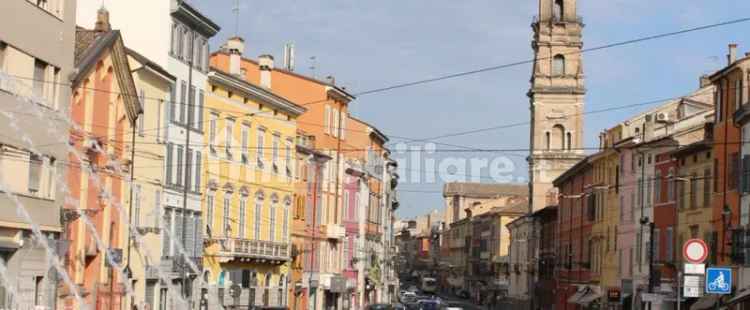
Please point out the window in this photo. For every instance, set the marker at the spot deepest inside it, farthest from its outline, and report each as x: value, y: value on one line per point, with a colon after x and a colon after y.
x: 213, y: 119
x: 150, y: 293
x: 558, y: 65
x: 547, y: 141
x: 183, y: 101
x: 199, y: 111
x: 187, y: 41
x: 681, y: 193
x: 557, y: 10
x: 137, y: 206
x: 745, y: 178
x: 170, y: 163
x: 191, y: 117
x: 243, y: 215
x: 343, y: 126
x: 657, y: 242
x: 259, y: 151
x: 167, y: 227
x: 670, y: 185
x: 734, y: 163
x: 38, y: 284
x: 570, y: 141
x: 228, y: 137
x: 204, y: 60
x: 40, y: 69
x: 3, y: 47
x: 336, y: 117
x: 657, y: 190
x: 285, y: 224
x: 640, y: 192
x: 288, y: 158
x: 649, y: 187
x: 176, y: 39
x: 142, y: 97
x: 718, y: 98
x: 272, y: 222
x: 326, y: 120
x: 669, y: 255
x: 737, y: 94
x: 706, y: 187
x: 198, y: 171
x: 275, y: 153
x: 172, y: 104
x: 188, y: 168
x: 178, y: 178
x: 245, y: 137
x: 210, y: 213
x: 226, y: 227
x: 258, y: 212
x: 558, y: 136
x: 35, y: 173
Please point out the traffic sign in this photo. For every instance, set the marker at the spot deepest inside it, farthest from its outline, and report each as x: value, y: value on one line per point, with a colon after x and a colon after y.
x: 695, y: 268
x: 695, y: 251
x: 718, y: 280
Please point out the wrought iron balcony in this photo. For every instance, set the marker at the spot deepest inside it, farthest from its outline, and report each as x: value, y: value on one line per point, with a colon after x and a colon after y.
x: 258, y: 249
x: 742, y: 115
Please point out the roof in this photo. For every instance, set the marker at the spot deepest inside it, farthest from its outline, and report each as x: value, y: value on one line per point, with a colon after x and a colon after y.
x: 582, y: 164
x: 702, y: 145
x: 338, y: 89
x: 90, y: 46
x: 376, y: 132
x: 219, y: 76
x: 485, y: 190
x: 188, y: 14
x: 148, y: 63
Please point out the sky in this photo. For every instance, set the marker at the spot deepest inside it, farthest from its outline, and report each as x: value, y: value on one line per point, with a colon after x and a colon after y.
x: 373, y: 44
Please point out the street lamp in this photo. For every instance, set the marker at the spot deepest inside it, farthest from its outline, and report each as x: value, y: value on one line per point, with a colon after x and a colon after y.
x: 651, y: 281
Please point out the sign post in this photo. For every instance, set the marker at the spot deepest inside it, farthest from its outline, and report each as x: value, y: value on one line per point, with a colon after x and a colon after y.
x: 695, y: 252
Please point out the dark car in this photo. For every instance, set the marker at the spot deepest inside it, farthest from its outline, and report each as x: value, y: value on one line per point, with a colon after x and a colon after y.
x: 379, y: 307
x: 428, y: 304
x: 463, y: 294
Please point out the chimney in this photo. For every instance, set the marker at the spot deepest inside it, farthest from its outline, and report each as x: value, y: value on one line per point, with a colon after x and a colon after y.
x: 704, y: 81
x: 331, y: 80
x: 102, y: 21
x: 265, y: 62
x: 235, y: 46
x: 732, y: 57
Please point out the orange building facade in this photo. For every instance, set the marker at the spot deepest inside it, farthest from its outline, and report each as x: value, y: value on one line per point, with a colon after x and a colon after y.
x: 99, y: 169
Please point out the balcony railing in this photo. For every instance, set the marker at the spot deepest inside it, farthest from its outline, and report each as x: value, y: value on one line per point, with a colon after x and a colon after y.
x: 254, y: 248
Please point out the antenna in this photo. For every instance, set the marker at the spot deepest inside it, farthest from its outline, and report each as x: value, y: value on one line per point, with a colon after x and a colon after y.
x: 313, y: 65
x: 289, y: 56
x: 236, y: 11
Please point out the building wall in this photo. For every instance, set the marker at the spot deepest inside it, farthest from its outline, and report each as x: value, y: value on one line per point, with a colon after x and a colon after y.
x: 146, y: 251
x: 102, y: 227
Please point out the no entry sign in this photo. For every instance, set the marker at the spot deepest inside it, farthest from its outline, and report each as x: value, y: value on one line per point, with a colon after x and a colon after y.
x: 695, y: 251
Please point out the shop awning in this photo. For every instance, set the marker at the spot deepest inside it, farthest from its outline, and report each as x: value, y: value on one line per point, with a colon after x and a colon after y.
x: 741, y: 296
x: 705, y: 302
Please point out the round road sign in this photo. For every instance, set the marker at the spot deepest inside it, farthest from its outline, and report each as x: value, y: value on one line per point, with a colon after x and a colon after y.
x: 695, y: 251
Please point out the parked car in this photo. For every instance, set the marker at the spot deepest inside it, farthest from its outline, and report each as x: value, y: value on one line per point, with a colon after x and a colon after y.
x: 429, y: 304
x: 407, y: 296
x: 462, y: 293
x: 379, y: 307
x: 399, y: 307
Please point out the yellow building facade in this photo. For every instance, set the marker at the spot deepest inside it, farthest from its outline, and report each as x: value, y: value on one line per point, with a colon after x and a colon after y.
x: 154, y: 85
x: 248, y: 189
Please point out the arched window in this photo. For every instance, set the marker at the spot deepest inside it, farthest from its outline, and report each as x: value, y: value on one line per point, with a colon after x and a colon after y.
x: 258, y: 213
x: 272, y: 218
x: 558, y: 137
x: 547, y: 140
x: 557, y: 10
x: 558, y: 65
x: 570, y: 140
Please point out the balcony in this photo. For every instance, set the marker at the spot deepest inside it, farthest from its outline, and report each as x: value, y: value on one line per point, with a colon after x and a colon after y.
x: 742, y: 115
x: 243, y: 249
x: 175, y: 265
x: 334, y: 231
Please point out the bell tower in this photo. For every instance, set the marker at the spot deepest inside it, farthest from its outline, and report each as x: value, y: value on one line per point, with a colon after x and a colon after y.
x: 556, y: 96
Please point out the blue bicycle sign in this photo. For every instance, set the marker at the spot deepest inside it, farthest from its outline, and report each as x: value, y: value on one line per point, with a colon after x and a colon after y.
x: 718, y: 280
